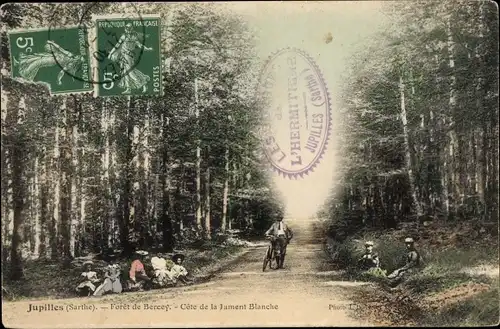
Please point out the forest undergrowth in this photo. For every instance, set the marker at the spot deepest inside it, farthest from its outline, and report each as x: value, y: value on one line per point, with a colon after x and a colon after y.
x: 458, y: 284
x: 49, y: 279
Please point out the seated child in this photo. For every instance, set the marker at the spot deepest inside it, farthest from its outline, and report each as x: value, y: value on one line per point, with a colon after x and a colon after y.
x: 88, y: 279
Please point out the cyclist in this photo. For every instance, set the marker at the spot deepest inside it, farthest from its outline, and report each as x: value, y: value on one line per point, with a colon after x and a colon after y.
x: 281, y: 234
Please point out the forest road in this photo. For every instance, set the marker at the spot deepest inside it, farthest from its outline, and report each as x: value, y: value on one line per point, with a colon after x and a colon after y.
x: 304, y: 293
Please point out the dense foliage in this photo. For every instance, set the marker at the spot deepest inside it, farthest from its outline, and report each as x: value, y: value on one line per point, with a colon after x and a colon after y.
x: 421, y: 119
x: 84, y: 174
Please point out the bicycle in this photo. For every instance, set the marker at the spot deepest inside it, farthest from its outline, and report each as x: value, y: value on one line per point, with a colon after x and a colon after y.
x: 272, y: 256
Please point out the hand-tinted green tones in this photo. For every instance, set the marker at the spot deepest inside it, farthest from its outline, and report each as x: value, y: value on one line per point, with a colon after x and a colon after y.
x: 127, y: 56
x: 56, y: 57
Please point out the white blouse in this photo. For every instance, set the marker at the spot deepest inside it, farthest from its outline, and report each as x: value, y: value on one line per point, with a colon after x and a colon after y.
x: 90, y: 275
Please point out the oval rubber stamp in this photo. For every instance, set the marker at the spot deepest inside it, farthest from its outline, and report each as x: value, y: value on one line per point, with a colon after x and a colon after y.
x: 297, y: 112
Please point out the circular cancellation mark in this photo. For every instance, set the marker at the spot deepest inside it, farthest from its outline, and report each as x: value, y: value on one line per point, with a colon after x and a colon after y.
x: 85, y: 23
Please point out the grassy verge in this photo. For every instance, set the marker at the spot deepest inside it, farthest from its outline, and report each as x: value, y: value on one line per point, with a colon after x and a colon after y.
x: 443, y: 293
x: 45, y: 279
x: 478, y: 310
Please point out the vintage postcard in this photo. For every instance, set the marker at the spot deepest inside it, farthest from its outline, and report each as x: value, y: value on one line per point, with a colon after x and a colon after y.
x: 249, y: 164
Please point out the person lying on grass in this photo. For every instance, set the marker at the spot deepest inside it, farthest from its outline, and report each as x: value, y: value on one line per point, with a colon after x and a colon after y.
x: 111, y: 282
x: 88, y: 279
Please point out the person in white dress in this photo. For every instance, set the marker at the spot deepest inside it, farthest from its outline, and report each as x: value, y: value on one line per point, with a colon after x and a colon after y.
x: 111, y: 282
x: 162, y: 274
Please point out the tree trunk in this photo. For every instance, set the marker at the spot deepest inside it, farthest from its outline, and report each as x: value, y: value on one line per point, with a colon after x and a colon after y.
x: 134, y: 197
x: 168, y: 236
x: 44, y: 205
x: 463, y: 181
x: 6, y: 178
x: 114, y: 176
x: 167, y: 198
x: 74, y: 189
x: 198, y: 157
x: 105, y: 177
x: 17, y: 144
x: 409, y: 166
x: 198, y: 188
x: 9, y: 210
x: 125, y: 218
x: 493, y: 175
x: 66, y: 178
x: 111, y: 175
x: 480, y: 95
x: 207, y: 204
x: 36, y: 208
x: 472, y: 172
x: 156, y: 213
x: 494, y: 184
x: 175, y: 207
x: 28, y: 233
x: 225, y: 196
x: 235, y: 187
x: 55, y: 220
x: 452, y: 136
x: 146, y: 169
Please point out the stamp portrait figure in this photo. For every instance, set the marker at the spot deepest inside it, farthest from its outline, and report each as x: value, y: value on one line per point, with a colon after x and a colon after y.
x: 123, y: 53
x: 30, y: 64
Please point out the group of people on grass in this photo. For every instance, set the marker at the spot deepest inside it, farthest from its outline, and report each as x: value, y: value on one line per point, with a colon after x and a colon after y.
x: 164, y: 273
x: 413, y: 261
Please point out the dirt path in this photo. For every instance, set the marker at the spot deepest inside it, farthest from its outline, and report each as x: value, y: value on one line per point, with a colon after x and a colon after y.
x: 302, y: 294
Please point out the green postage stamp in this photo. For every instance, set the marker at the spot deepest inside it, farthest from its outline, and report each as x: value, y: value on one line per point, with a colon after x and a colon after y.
x: 127, y: 57
x: 58, y: 58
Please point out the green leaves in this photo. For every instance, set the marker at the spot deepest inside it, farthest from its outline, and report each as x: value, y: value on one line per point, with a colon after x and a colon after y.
x: 443, y: 54
x: 131, y: 166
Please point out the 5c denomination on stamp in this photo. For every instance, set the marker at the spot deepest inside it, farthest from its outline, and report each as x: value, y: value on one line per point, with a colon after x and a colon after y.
x: 297, y: 112
x: 127, y: 55
x: 57, y: 58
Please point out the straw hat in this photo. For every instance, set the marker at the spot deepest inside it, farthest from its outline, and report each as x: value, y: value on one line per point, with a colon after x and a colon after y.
x: 409, y: 240
x: 141, y: 252
x: 368, y: 243
x: 88, y: 262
